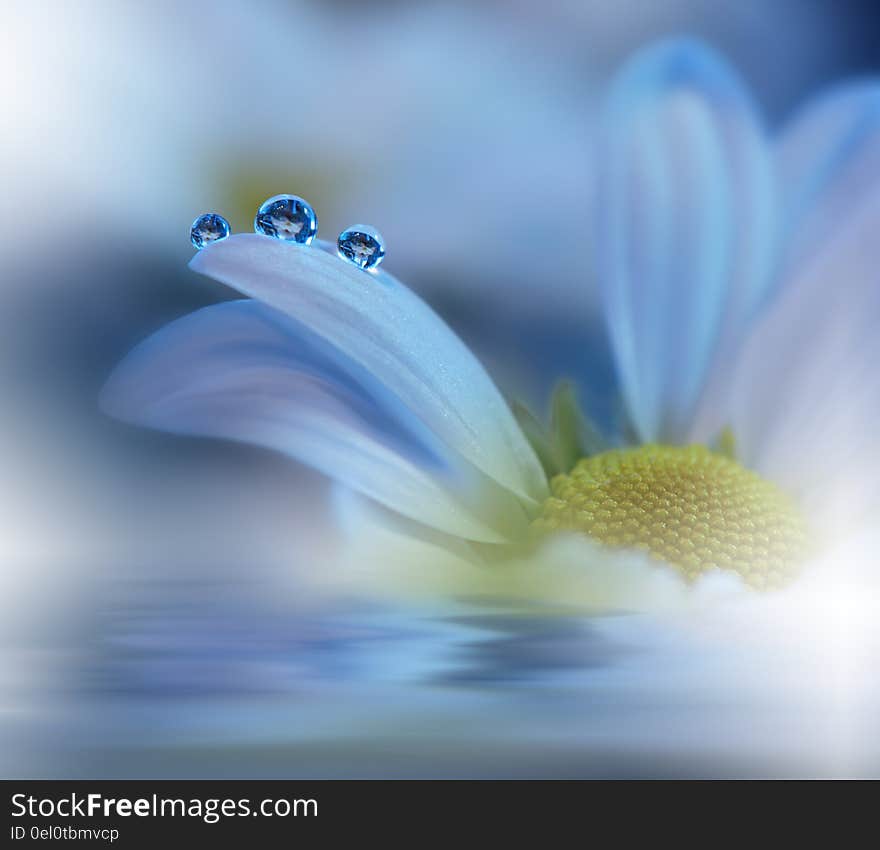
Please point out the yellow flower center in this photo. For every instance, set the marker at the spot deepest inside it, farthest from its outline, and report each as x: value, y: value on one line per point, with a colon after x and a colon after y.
x: 693, y: 508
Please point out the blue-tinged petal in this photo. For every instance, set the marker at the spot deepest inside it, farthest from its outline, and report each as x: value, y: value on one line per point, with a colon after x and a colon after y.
x: 387, y: 554
x: 364, y: 522
x: 246, y: 372
x: 805, y: 399
x: 828, y: 163
x: 828, y: 159
x: 385, y: 328
x: 686, y: 227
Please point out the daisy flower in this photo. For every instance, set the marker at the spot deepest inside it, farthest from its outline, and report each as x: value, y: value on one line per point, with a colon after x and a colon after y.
x: 738, y: 283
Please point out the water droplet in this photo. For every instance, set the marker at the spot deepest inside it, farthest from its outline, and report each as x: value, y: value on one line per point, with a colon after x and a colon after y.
x: 208, y: 228
x: 362, y: 245
x: 287, y: 217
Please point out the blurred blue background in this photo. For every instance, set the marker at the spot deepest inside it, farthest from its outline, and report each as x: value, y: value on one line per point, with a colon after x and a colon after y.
x: 164, y: 611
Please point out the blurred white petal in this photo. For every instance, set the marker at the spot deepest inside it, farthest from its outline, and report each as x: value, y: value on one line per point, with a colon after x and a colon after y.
x: 393, y: 334
x: 686, y: 227
x: 828, y: 160
x: 805, y: 398
x: 244, y: 371
x: 384, y: 554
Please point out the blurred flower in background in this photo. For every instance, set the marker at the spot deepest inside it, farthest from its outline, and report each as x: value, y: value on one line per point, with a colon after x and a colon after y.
x: 463, y: 133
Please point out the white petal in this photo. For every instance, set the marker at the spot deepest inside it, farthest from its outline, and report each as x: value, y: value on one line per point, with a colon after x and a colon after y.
x: 246, y: 372
x: 816, y: 401
x: 828, y: 162
x: 387, y: 329
x: 686, y: 227
x: 386, y: 554
x: 828, y: 159
x: 358, y: 517
x: 806, y: 397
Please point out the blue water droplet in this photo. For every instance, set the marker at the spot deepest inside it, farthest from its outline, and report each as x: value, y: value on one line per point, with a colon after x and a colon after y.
x: 362, y: 245
x: 208, y: 228
x: 287, y: 217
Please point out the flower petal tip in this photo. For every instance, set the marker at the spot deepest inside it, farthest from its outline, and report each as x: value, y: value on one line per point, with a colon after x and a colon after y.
x: 683, y: 63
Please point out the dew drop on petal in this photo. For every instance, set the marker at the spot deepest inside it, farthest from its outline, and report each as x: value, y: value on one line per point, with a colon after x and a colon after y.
x: 287, y: 217
x: 208, y: 228
x: 362, y: 245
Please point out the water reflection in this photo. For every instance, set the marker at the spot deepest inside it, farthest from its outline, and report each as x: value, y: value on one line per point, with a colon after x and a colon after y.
x: 212, y: 678
x: 528, y: 648
x: 209, y: 643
